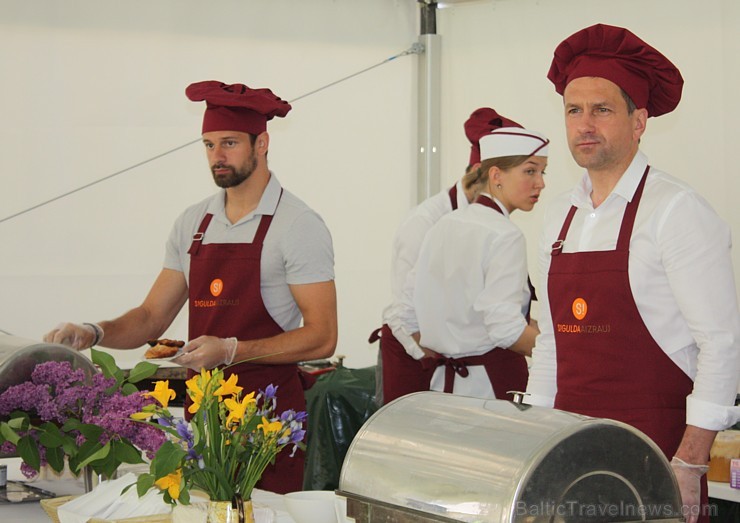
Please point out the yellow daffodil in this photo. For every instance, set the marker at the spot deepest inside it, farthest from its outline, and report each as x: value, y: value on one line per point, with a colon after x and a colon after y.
x: 162, y: 393
x: 228, y: 387
x: 238, y: 409
x: 195, y: 392
x: 268, y: 426
x: 171, y: 483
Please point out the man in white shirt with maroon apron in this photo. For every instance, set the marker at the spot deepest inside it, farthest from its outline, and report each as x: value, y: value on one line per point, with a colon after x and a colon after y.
x: 639, y: 318
x: 252, y: 262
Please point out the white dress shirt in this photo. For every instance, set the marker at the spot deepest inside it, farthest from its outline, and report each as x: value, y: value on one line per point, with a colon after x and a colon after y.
x: 406, y: 247
x: 468, y: 292
x: 681, y: 278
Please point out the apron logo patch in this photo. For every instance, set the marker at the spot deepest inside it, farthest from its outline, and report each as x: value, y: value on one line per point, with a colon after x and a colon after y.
x: 579, y: 308
x: 217, y: 286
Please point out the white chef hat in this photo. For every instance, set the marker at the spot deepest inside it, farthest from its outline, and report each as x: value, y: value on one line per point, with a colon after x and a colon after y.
x: 512, y: 141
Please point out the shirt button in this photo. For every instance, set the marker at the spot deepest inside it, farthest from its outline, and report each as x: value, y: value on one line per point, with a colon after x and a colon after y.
x: 593, y: 215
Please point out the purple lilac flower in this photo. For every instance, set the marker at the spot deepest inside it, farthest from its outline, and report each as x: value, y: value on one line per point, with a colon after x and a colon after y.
x: 57, y: 374
x: 19, y: 397
x: 57, y: 393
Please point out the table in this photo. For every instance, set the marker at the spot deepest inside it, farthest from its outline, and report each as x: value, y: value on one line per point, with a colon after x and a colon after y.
x: 723, y: 491
x: 32, y: 511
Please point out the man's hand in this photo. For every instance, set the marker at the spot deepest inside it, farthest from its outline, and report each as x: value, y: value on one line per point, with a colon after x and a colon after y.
x: 688, y: 477
x: 74, y: 335
x: 207, y: 352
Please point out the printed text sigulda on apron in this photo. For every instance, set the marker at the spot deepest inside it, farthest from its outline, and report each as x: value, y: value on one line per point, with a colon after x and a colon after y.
x: 506, y: 369
x: 225, y: 301
x: 608, y: 364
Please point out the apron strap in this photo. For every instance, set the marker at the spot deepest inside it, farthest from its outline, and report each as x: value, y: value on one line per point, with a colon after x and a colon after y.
x: 375, y: 335
x: 486, y: 201
x: 557, y: 247
x: 198, y: 236
x: 453, y: 196
x: 628, y: 220
x: 259, y: 236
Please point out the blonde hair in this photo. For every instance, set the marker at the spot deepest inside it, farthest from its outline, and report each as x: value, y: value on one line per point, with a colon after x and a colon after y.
x: 480, y: 175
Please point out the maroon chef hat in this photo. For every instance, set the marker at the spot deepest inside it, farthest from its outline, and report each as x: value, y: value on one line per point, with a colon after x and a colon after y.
x: 614, y: 53
x: 236, y: 107
x: 481, y: 122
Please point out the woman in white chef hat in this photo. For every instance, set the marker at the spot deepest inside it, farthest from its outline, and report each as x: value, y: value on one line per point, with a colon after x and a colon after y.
x: 468, y: 300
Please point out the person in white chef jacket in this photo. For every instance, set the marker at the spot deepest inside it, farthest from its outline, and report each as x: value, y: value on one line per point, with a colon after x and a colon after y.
x: 400, y: 362
x: 467, y: 301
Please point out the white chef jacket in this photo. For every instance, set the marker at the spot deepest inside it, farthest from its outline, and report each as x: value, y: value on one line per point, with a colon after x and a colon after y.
x: 468, y: 292
x: 681, y: 278
x: 406, y: 247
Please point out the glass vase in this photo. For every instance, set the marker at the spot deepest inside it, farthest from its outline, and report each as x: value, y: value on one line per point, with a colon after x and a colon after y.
x: 235, y: 511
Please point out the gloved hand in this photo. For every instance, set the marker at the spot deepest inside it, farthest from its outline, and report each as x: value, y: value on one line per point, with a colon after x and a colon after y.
x: 75, y: 335
x: 207, y: 352
x: 688, y: 477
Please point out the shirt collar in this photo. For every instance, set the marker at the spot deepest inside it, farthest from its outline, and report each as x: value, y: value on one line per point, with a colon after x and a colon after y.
x: 267, y: 205
x: 625, y: 188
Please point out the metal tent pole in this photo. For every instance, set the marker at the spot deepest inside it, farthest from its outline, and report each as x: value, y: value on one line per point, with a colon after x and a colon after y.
x: 428, y: 124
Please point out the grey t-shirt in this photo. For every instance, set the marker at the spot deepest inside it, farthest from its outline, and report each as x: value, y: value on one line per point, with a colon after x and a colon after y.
x: 297, y: 249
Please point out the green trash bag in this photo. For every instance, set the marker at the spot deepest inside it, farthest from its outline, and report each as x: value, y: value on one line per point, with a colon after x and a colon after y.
x: 337, y: 404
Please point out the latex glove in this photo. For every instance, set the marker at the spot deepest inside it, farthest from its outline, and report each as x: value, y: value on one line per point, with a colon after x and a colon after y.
x: 688, y: 477
x: 75, y: 335
x: 207, y: 352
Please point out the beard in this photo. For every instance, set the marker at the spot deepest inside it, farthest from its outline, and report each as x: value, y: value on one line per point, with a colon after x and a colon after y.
x: 235, y: 176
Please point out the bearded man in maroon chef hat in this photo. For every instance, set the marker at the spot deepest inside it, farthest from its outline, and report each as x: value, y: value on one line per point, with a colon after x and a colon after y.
x: 253, y: 262
x: 640, y: 320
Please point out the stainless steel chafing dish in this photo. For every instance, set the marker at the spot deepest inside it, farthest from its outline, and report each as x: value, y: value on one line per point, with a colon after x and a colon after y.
x: 19, y: 356
x: 431, y: 457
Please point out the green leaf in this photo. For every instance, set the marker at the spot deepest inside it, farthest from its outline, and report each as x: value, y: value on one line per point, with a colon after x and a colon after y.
x: 29, y: 452
x: 86, y: 456
x: 184, y: 498
x: 50, y: 436
x: 129, y: 388
x: 55, y: 458
x: 125, y: 452
x: 167, y: 460
x: 107, y: 467
x: 92, y: 433
x: 106, y: 362
x: 70, y: 447
x: 71, y: 424
x: 19, y: 421
x: 143, y: 483
x: 142, y: 371
x: 8, y: 434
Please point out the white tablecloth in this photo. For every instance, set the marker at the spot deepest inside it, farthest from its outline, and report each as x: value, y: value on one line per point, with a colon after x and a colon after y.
x: 32, y: 512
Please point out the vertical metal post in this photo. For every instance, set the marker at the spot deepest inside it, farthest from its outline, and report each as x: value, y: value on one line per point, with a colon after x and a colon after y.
x: 429, y: 120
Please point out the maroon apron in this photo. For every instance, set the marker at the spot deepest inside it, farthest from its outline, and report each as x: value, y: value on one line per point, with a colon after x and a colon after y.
x: 226, y: 301
x: 402, y: 374
x: 608, y: 364
x: 506, y: 369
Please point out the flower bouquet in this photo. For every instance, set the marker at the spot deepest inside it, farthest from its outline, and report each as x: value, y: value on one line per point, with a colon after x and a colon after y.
x: 226, y: 446
x: 56, y: 417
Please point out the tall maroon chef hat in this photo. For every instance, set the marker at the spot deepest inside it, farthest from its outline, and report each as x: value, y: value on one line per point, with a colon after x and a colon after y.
x: 481, y: 122
x: 616, y: 54
x: 236, y: 107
